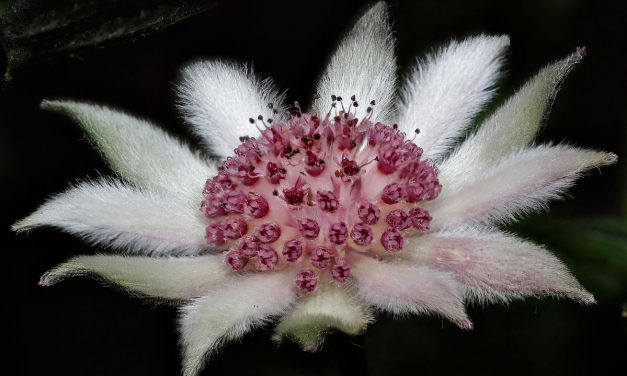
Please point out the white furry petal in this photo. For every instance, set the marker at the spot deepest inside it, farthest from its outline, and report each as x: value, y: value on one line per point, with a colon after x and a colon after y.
x: 495, y: 267
x: 513, y: 126
x: 168, y: 278
x: 229, y: 311
x: 140, y: 152
x: 448, y: 88
x: 217, y: 99
x: 329, y: 307
x: 113, y: 214
x: 521, y: 183
x: 363, y: 65
x: 403, y: 288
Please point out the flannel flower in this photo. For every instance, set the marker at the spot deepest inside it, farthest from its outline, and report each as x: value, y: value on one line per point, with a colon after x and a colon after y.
x: 317, y: 218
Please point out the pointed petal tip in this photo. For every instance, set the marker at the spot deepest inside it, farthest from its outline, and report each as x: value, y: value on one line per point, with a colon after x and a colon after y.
x: 503, y: 39
x: 609, y: 159
x: 47, y: 104
x: 499, y: 42
x: 465, y: 324
x: 601, y: 158
x: 51, y: 277
x: 24, y: 225
x: 45, y: 281
x: 55, y: 105
x: 17, y: 227
x: 582, y: 296
x: 380, y: 7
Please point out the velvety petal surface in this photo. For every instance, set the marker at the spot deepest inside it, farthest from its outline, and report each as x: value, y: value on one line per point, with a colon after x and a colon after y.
x: 140, y: 152
x: 217, y: 100
x: 402, y: 288
x: 331, y: 307
x: 228, y: 311
x: 167, y: 277
x: 447, y: 89
x: 496, y: 267
x: 116, y: 215
x: 523, y: 182
x: 363, y: 65
x: 513, y: 126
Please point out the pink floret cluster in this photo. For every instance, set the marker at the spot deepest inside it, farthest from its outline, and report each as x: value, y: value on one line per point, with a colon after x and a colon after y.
x: 309, y: 191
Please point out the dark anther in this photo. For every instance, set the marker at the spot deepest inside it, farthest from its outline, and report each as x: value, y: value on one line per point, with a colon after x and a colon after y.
x: 275, y: 111
x: 275, y: 192
x: 339, y: 99
x: 369, y: 109
x: 316, y: 136
x: 244, y: 138
x: 288, y: 149
x: 320, y: 161
x: 283, y: 170
x: 270, y: 105
x: 307, y: 140
x: 395, y: 126
x: 333, y: 98
x: 252, y: 121
x: 353, y: 144
x: 333, y: 105
x: 376, y: 158
x: 251, y: 168
x: 417, y: 130
x: 260, y: 117
x: 355, y: 104
x: 372, y: 102
x: 353, y: 97
x: 269, y: 120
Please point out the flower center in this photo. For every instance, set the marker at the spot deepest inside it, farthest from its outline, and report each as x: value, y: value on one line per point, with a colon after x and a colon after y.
x: 311, y: 190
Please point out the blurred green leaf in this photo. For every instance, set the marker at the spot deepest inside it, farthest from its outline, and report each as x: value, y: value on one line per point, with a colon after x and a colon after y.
x: 4, y: 5
x: 32, y: 29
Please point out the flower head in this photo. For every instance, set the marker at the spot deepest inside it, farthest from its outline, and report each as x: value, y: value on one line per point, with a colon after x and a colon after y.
x: 316, y: 217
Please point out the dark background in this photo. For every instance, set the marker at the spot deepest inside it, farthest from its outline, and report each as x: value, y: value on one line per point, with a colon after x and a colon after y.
x: 80, y: 328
